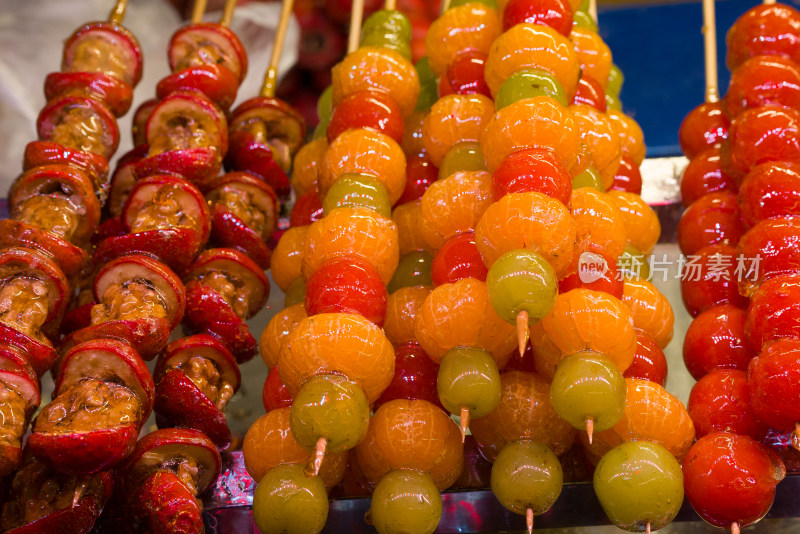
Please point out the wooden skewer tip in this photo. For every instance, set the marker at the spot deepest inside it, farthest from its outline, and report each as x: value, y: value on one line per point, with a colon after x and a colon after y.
x: 227, y: 13
x: 529, y: 520
x: 735, y: 528
x: 198, y: 10
x: 315, y: 463
x: 590, y: 429
x: 463, y: 421
x: 523, y: 331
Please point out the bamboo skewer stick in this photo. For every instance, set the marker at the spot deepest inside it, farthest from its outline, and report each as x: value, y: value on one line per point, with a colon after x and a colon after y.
x: 769, y: 2
x: 710, y: 45
x: 593, y: 9
x: 390, y: 5
x: 118, y: 13
x: 271, y: 77
x: 356, y: 16
x: 445, y: 5
x: 198, y: 10
x: 227, y: 13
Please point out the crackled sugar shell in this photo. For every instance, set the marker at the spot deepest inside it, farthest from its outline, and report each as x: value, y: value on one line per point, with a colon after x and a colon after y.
x: 631, y: 136
x: 601, y: 138
x: 651, y: 310
x: 414, y: 234
x: 287, y: 258
x: 454, y: 119
x: 307, y: 166
x: 598, y: 221
x: 276, y: 332
x: 401, y: 313
x: 455, y: 204
x: 593, y: 54
x: 530, y: 221
x: 471, y: 26
x: 642, y: 225
x: 341, y: 343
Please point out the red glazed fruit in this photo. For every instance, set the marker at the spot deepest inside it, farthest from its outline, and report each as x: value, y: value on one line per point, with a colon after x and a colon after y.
x: 347, y: 285
x: 532, y: 170
x: 774, y: 380
x: 649, y: 362
x: 414, y: 376
x: 716, y: 339
x: 763, y: 80
x: 704, y: 175
x: 628, y: 177
x: 774, y: 311
x: 715, y: 218
x: 458, y: 258
x: 591, y: 93
x: 770, y: 190
x: 367, y: 109
x: 465, y: 74
x: 720, y: 402
x: 763, y: 134
x: 704, y: 126
x: 554, y: 13
x: 275, y: 394
x: 710, y: 277
x: 768, y: 29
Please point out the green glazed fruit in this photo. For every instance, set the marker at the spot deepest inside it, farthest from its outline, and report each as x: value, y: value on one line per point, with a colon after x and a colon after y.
x: 490, y: 3
x: 414, y: 269
x: 428, y: 95
x: 589, y: 178
x: 424, y: 72
x: 295, y: 293
x: 463, y: 156
x: 388, y: 21
x: 529, y: 83
x: 387, y: 39
x: 613, y: 102
x: 325, y: 105
x: 639, y: 482
x: 330, y: 407
x: 522, y: 280
x: 582, y: 19
x: 358, y: 191
x: 633, y: 264
x: 587, y: 385
x: 615, y: 81
x: 527, y: 474
x: 406, y: 502
x: 468, y: 378
x: 286, y: 501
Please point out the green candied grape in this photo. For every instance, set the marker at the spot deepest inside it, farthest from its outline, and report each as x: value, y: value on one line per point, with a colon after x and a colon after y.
x: 331, y: 407
x: 325, y: 105
x: 386, y: 39
x: 613, y: 102
x: 388, y: 21
x: 286, y: 501
x: 322, y: 129
x: 490, y: 3
x: 468, y: 378
x: 584, y: 5
x: 582, y: 19
x: 528, y: 83
x: 406, y: 502
x: 414, y: 269
x: 354, y: 190
x: 522, y: 280
x: 527, y: 474
x: 463, y: 156
x: 425, y: 72
x: 639, y: 483
x: 588, y: 386
x: 615, y: 80
x: 428, y: 95
x: 295, y: 293
x: 589, y: 178
x: 632, y: 264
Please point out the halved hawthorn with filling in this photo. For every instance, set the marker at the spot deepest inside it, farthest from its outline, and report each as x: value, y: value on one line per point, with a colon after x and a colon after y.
x: 184, y: 120
x: 39, y: 153
x: 123, y: 180
x: 42, y: 500
x: 103, y: 394
x: 112, y: 92
x: 19, y: 398
x: 195, y: 378
x: 198, y: 165
x: 104, y: 47
x: 215, y: 81
x: 70, y: 258
x: 139, y: 122
x: 207, y: 43
x: 79, y: 123
x: 57, y: 198
x: 246, y: 153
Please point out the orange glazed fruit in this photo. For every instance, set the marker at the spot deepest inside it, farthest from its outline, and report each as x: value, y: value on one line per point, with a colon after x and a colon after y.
x: 269, y: 442
x: 365, y: 151
x: 358, y: 232
x: 641, y: 223
x: 651, y: 414
x: 276, y: 332
x: 472, y: 26
x: 583, y: 319
x: 401, y: 313
x: 412, y: 434
x: 414, y: 233
x: 530, y: 221
x: 306, y: 168
x: 539, y: 122
x: 631, y: 136
x: 533, y: 46
x: 461, y: 315
x: 287, y: 258
x: 524, y: 412
x: 340, y: 343
x: 594, y: 55
x: 601, y: 139
x: 377, y: 69
x: 598, y: 221
x: 453, y: 119
x: 651, y: 310
x: 455, y: 204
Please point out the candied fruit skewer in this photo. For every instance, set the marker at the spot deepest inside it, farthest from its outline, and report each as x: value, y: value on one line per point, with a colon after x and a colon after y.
x: 710, y: 50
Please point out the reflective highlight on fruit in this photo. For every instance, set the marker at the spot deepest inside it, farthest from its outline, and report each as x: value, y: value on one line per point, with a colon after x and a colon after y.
x: 405, y: 501
x: 528, y: 83
x: 286, y: 500
x: 358, y: 190
x: 468, y: 379
x: 522, y: 280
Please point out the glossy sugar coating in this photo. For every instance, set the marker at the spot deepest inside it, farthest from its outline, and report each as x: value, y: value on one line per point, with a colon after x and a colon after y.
x: 522, y: 280
x: 358, y: 190
x: 715, y: 282
x: 770, y: 190
x: 455, y: 204
x: 716, y: 338
x: 601, y: 140
x: 414, y: 269
x: 473, y: 26
x: 413, y: 233
x: 307, y: 166
x: 527, y: 474
x: 453, y: 119
x: 401, y: 313
x: 651, y: 310
x: 598, y: 221
x: 631, y: 136
x: 763, y: 80
x: 774, y: 312
x: 468, y: 378
x: 405, y: 501
x: 713, y: 218
x: 461, y: 314
x: 412, y: 434
x: 720, y: 402
x: 774, y: 385
x: 705, y: 126
x: 286, y: 500
x: 642, y: 226
x: 760, y: 135
x: 593, y: 53
x: 704, y: 175
x: 530, y: 221
x: 463, y: 156
x: 276, y: 332
x: 287, y: 258
x: 768, y: 29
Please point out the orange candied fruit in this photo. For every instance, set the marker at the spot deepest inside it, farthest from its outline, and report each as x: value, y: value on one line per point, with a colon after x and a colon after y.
x: 453, y: 119
x: 340, y: 343
x: 641, y: 222
x: 287, y: 258
x: 401, y: 313
x: 358, y: 232
x: 455, y: 204
x: 598, y: 221
x: 533, y: 46
x: 377, y: 69
x: 530, y: 221
x: 365, y: 151
x: 412, y: 434
x: 631, y: 136
x: 594, y: 55
x: 472, y: 26
x: 651, y: 310
x: 601, y: 139
x: 276, y: 332
x: 306, y: 167
x: 539, y: 122
x: 414, y: 233
x: 461, y: 315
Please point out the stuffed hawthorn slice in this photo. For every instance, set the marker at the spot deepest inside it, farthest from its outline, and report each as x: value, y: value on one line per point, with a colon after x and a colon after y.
x: 19, y: 398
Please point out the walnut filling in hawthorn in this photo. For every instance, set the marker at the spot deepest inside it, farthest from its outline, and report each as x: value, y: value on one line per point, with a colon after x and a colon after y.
x: 24, y: 303
x: 164, y: 210
x: 198, y: 51
x: 230, y: 287
x: 105, y: 54
x: 130, y: 300
x: 87, y: 405
x: 242, y: 204
x: 265, y: 132
x: 184, y: 129
x: 187, y: 471
x: 37, y: 491
x: 51, y: 213
x: 12, y: 415
x: 205, y: 375
x: 79, y: 127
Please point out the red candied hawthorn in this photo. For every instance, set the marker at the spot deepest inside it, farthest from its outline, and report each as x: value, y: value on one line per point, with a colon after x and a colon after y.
x: 703, y: 127
x: 716, y: 338
x: 714, y: 218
